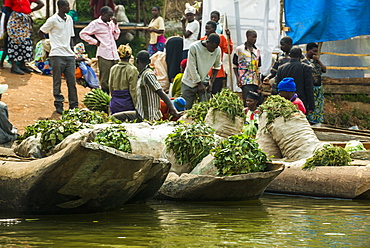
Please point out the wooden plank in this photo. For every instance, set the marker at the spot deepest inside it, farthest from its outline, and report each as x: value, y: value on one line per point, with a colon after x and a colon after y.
x: 346, y: 89
x: 345, y: 81
x: 346, y: 54
x: 348, y: 68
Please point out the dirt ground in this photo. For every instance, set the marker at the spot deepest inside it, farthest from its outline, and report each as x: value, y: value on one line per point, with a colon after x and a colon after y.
x: 30, y: 98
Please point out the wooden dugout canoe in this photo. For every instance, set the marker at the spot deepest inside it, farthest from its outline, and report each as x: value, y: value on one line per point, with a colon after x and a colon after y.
x: 83, y: 177
x: 349, y: 182
x: 212, y: 188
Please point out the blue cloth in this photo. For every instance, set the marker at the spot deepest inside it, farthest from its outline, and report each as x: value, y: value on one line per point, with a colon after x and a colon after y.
x: 287, y: 84
x: 326, y: 20
x: 89, y: 75
x: 121, y: 101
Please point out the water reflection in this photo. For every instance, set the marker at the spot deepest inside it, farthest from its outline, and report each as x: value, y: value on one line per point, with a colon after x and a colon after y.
x: 271, y: 221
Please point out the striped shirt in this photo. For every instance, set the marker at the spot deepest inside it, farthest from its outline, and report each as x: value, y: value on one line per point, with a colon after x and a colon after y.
x: 148, y: 102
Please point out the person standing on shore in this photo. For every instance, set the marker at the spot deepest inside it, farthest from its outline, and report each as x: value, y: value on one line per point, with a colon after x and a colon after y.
x: 191, y: 30
x: 62, y: 58
x: 156, y: 31
x: 106, y: 32
x: 318, y: 68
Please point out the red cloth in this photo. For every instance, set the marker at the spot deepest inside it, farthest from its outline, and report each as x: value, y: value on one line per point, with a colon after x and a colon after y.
x: 20, y: 6
x: 300, y: 105
x: 166, y: 111
x: 98, y: 4
x: 223, y: 47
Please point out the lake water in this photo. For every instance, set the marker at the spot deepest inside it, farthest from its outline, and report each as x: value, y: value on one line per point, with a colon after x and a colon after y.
x: 271, y: 221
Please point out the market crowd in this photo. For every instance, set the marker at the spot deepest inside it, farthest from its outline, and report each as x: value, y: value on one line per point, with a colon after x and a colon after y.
x: 169, y: 76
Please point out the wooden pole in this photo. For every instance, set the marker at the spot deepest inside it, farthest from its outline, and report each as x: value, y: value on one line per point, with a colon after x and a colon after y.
x: 281, y: 15
x: 47, y: 9
x: 54, y: 6
x: 229, y: 57
x: 164, y: 9
x: 319, y: 49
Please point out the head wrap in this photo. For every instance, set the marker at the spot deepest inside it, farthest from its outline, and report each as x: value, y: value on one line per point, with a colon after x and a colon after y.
x: 179, y: 103
x: 79, y: 49
x: 287, y: 84
x: 189, y: 9
x: 183, y: 63
x: 3, y: 88
x: 124, y: 51
x: 253, y: 95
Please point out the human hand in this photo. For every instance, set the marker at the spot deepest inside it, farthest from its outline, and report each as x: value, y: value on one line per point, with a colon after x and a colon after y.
x: 266, y: 80
x: 227, y: 32
x: 183, y: 20
x: 209, y: 88
x: 175, y: 113
x: 201, y: 88
x: 114, y: 20
x: 315, y: 57
x: 98, y: 43
x: 150, y: 29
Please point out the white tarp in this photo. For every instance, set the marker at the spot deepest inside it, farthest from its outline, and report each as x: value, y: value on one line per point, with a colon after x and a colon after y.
x: 260, y: 15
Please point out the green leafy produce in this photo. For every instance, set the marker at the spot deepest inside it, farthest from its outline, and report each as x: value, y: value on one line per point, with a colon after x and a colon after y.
x: 36, y: 128
x: 199, y: 110
x: 328, y: 155
x: 239, y: 154
x: 191, y: 142
x: 225, y: 100
x: 97, y: 100
x: 251, y: 128
x: 354, y: 145
x: 57, y: 131
x: 276, y: 106
x: 88, y: 116
x: 115, y: 137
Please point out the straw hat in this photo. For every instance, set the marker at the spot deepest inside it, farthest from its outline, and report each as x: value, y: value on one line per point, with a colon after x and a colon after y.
x: 3, y: 88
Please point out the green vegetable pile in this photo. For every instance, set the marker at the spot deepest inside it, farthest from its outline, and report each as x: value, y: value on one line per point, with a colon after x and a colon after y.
x: 239, y: 154
x: 251, y: 128
x: 191, y: 142
x: 225, y: 100
x: 88, y: 116
x: 97, y: 100
x: 328, y: 155
x: 115, y: 137
x: 57, y: 131
x: 36, y: 128
x: 276, y: 106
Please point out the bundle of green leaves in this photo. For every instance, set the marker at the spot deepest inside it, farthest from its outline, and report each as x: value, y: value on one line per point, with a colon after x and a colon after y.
x: 88, y: 116
x: 328, y: 155
x: 36, y: 128
x: 239, y: 154
x: 276, y: 106
x: 57, y: 131
x: 115, y: 137
x: 191, y: 142
x: 225, y: 101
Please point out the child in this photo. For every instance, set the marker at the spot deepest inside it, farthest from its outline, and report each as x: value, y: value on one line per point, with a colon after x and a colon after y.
x: 191, y: 30
x: 179, y: 104
x: 88, y: 73
x: 156, y: 31
x: 287, y: 90
x: 176, y: 87
x: 215, y: 16
x: 247, y: 61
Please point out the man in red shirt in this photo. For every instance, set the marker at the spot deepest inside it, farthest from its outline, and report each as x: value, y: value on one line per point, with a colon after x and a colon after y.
x: 287, y: 90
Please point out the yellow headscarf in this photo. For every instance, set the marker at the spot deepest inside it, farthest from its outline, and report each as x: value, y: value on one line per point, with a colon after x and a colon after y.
x: 124, y: 51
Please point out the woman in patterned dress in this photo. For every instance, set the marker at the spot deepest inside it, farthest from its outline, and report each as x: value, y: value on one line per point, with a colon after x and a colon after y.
x: 19, y: 30
x: 317, y: 116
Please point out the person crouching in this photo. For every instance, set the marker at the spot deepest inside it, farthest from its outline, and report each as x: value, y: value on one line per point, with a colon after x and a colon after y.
x: 286, y: 89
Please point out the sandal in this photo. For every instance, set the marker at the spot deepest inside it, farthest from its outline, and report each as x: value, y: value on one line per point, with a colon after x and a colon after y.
x: 26, y: 70
x: 17, y: 71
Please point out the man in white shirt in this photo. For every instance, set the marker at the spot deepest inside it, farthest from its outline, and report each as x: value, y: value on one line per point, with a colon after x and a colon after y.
x: 106, y: 32
x: 191, y: 30
x: 62, y: 59
x: 203, y: 55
